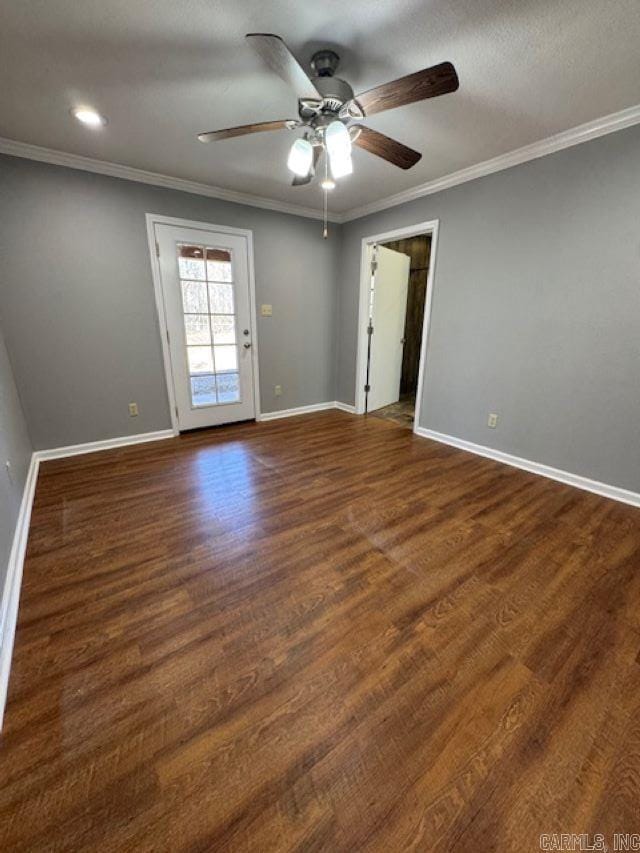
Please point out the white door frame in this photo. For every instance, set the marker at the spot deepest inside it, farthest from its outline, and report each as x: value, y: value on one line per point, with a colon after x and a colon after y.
x: 154, y: 219
x: 430, y: 227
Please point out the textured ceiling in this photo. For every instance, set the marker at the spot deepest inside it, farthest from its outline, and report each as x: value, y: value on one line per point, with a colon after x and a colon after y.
x: 162, y: 71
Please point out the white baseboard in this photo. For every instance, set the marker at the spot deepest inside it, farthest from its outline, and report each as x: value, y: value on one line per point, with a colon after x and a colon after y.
x: 141, y: 438
x: 107, y: 444
x: 300, y: 410
x: 604, y: 489
x: 13, y: 581
x: 345, y: 407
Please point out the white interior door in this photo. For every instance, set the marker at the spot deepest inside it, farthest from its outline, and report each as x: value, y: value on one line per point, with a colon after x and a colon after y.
x: 205, y: 289
x: 388, y: 312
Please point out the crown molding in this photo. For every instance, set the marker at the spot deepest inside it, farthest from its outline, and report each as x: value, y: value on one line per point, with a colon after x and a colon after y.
x: 566, y: 139
x: 115, y: 170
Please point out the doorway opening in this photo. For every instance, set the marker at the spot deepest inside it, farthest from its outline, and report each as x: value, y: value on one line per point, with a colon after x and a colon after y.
x: 395, y: 307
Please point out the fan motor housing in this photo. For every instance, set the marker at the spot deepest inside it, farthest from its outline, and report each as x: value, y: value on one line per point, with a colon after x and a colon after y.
x: 335, y: 92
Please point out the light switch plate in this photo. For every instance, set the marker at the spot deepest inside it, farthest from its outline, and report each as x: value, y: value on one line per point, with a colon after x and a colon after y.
x: 492, y: 421
x: 266, y: 310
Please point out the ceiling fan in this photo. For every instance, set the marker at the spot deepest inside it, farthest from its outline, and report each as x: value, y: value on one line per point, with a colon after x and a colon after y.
x: 330, y: 113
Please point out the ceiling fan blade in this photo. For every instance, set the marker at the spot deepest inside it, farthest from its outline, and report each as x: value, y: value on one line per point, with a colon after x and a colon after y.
x: 243, y: 129
x: 279, y: 58
x: 299, y: 181
x: 428, y: 83
x: 383, y: 146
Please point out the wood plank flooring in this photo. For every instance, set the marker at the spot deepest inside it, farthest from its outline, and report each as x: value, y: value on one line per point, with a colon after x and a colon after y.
x: 320, y: 634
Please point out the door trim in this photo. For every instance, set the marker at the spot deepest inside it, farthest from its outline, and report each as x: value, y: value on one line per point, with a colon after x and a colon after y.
x: 153, y: 219
x: 430, y: 227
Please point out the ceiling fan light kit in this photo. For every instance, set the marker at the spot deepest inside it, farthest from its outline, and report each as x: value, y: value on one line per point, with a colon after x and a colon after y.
x: 338, y: 145
x: 327, y: 107
x: 300, y: 157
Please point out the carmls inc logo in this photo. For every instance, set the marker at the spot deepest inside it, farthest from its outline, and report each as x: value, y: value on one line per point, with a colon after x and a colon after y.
x: 580, y: 842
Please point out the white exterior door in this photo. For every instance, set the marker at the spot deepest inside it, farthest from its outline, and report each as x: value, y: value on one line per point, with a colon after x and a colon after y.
x: 388, y: 312
x: 207, y: 305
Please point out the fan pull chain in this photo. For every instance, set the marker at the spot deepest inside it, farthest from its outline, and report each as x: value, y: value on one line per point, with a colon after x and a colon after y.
x: 325, y: 230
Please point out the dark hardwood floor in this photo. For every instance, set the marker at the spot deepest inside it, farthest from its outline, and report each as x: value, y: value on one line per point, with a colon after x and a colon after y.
x: 320, y: 633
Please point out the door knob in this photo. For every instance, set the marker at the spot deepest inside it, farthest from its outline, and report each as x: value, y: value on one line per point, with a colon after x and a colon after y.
x: 247, y: 346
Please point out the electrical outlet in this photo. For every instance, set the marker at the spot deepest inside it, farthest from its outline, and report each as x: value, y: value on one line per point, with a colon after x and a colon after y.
x: 133, y: 410
x: 7, y: 465
x: 492, y: 421
x: 278, y: 390
x: 266, y: 310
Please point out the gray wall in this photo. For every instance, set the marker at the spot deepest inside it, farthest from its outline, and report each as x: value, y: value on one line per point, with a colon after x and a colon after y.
x: 15, y: 448
x: 536, y: 312
x: 79, y: 314
x: 536, y: 309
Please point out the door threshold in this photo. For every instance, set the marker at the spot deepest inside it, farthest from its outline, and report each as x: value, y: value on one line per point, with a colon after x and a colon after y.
x: 216, y: 426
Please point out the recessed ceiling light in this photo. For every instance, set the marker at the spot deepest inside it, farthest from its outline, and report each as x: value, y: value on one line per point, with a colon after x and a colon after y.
x: 328, y: 184
x: 89, y: 117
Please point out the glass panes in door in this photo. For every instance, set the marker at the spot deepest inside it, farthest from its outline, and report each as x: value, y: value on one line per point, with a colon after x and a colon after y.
x: 210, y: 324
